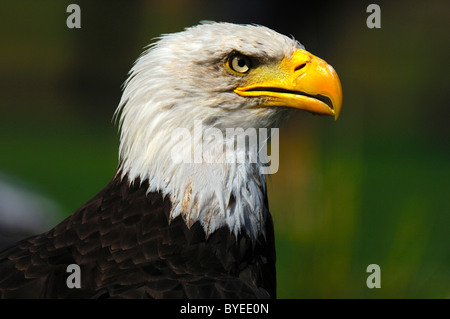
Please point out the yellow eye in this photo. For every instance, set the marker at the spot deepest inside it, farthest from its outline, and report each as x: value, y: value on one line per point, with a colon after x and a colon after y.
x: 240, y: 63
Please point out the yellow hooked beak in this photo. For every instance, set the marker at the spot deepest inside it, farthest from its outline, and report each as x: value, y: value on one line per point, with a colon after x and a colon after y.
x: 303, y: 82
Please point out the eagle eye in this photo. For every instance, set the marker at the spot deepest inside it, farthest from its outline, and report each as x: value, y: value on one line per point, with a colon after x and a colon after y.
x: 239, y: 63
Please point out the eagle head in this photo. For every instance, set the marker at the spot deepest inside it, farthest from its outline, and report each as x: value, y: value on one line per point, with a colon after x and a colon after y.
x: 210, y: 78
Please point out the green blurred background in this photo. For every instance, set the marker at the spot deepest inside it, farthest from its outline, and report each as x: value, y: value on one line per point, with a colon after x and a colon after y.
x: 371, y: 188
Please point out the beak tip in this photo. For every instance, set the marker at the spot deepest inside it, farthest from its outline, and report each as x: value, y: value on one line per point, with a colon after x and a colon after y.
x: 338, y: 108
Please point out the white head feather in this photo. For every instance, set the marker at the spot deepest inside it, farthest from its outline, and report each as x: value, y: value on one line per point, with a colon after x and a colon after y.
x: 177, y: 81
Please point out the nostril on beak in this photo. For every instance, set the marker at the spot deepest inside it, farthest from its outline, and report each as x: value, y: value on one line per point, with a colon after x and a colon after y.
x: 301, y: 66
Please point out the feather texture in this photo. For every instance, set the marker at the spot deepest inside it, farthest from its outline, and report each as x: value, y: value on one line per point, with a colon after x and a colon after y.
x: 126, y: 248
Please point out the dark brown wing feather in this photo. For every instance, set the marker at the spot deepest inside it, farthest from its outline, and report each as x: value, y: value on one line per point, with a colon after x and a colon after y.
x: 126, y: 248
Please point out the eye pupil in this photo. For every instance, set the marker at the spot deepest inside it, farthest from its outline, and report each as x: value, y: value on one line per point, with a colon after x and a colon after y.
x: 241, y: 62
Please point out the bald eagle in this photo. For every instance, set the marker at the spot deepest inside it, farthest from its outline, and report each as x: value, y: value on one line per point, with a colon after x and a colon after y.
x: 164, y: 228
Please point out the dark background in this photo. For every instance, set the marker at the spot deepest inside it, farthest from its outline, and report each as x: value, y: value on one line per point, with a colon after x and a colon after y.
x: 371, y: 188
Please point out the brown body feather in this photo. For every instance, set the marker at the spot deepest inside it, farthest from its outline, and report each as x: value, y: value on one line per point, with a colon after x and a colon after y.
x: 126, y: 248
